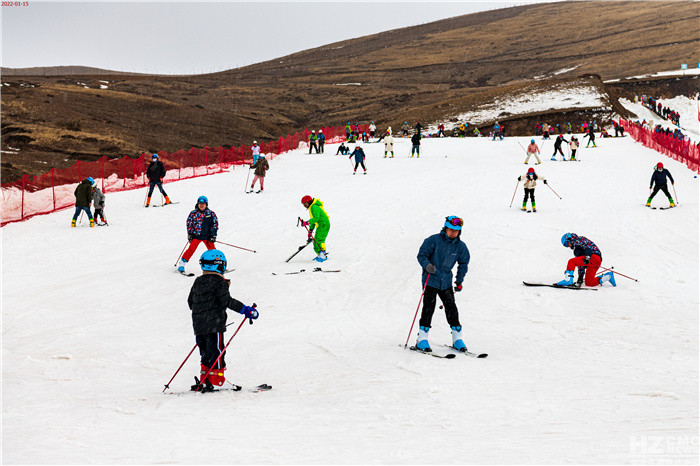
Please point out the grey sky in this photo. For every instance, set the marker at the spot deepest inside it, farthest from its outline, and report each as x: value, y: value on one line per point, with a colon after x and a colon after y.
x: 198, y: 37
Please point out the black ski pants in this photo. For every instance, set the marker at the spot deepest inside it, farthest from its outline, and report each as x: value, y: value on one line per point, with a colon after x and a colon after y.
x: 312, y: 145
x: 210, y: 346
x: 357, y: 164
x: 447, y: 296
x: 558, y: 149
x: 529, y: 192
x: 660, y: 187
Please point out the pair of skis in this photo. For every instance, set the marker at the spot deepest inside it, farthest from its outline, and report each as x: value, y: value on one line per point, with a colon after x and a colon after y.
x: 569, y: 287
x: 316, y: 269
x: 450, y: 355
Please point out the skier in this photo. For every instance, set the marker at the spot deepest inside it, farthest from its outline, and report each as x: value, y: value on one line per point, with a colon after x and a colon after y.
x: 568, y: 127
x: 659, y: 183
x: 545, y: 131
x: 441, y: 130
x: 372, y: 129
x: 419, y: 127
x: 359, y: 154
x: 437, y: 256
x: 202, y: 226
x: 532, y: 149
x: 155, y: 173
x: 83, y: 197
x: 348, y: 131
x: 260, y: 167
x: 255, y: 149
x: 98, y: 200
x: 557, y: 147
x: 497, y: 132
x: 573, y: 144
x: 590, y: 134
x: 312, y: 141
x: 405, y: 128
x: 321, y: 140
x: 389, y: 145
x: 587, y: 258
x: 530, y: 182
x: 317, y: 218
x: 208, y: 300
x: 415, y: 141
x: 342, y: 149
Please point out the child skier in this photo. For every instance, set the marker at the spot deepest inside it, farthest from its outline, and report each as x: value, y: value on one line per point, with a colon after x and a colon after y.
x: 317, y: 218
x: 389, y: 145
x: 587, y: 258
x: 312, y: 141
x: 261, y: 167
x: 321, y: 140
x: 573, y: 144
x: 437, y: 256
x: 208, y: 300
x: 342, y: 149
x: 659, y: 183
x: 255, y: 150
x: 532, y: 149
x: 155, y: 173
x: 530, y: 183
x: 590, y: 134
x: 415, y: 144
x: 98, y: 200
x: 359, y: 158
x: 202, y: 226
x: 557, y: 147
x: 83, y: 197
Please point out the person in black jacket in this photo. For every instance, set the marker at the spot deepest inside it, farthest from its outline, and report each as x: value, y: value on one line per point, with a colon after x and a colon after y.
x: 557, y: 147
x: 155, y: 173
x: 208, y: 300
x: 415, y: 141
x: 659, y: 183
x: 83, y: 198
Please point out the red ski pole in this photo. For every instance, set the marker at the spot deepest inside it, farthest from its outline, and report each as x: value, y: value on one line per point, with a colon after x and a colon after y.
x: 516, y: 190
x: 234, y: 246
x: 618, y: 273
x: 201, y: 381
x: 167, y: 385
x: 553, y: 191
x: 309, y: 231
x: 181, y: 253
x: 416, y: 315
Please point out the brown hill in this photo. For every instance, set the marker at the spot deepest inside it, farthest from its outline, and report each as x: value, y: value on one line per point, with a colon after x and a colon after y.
x: 424, y: 72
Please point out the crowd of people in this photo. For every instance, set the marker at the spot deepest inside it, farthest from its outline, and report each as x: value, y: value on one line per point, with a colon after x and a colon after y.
x: 663, y: 111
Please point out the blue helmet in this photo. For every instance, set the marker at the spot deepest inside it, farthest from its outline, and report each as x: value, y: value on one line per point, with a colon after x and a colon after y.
x: 565, y: 239
x: 213, y: 260
x: 203, y: 199
x: 155, y: 156
x: 454, y: 222
x: 90, y: 180
x: 532, y: 141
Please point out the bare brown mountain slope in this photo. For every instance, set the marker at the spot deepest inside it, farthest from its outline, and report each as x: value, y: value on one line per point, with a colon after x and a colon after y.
x: 404, y: 74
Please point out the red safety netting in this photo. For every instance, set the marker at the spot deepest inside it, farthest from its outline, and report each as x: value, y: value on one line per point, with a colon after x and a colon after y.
x: 682, y: 151
x: 52, y: 191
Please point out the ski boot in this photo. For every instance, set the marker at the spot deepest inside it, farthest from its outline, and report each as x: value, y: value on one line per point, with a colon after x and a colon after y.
x: 167, y: 200
x: 72, y: 223
x: 457, y: 342
x: 607, y: 277
x: 204, y: 387
x: 148, y: 202
x: 322, y: 256
x: 569, y: 280
x: 422, y: 342
x: 92, y: 223
x: 672, y: 204
x: 181, y: 266
x: 534, y: 209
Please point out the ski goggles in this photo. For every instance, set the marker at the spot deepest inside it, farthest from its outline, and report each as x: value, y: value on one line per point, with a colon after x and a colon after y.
x: 454, y: 221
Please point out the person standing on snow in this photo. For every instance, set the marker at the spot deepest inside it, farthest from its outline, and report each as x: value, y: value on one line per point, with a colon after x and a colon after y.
x: 590, y: 134
x: 587, y: 258
x: 318, y: 220
x: 321, y: 140
x: 155, y: 173
x: 312, y: 141
x: 531, y: 150
x: 261, y: 167
x: 202, y: 226
x: 389, y: 145
x: 419, y: 127
x: 530, y: 183
x: 573, y: 144
x: 348, y: 131
x: 208, y: 300
x: 660, y: 183
x: 98, y: 200
x: 359, y: 157
x: 405, y: 128
x: 372, y: 129
x: 255, y: 150
x: 415, y: 144
x: 545, y: 131
x: 437, y: 256
x: 557, y: 147
x: 83, y: 198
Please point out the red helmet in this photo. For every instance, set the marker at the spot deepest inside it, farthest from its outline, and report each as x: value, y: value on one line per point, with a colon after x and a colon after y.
x: 659, y: 166
x: 306, y: 199
x: 531, y: 170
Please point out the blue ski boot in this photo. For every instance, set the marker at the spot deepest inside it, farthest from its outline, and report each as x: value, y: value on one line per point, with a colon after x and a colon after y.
x: 457, y: 342
x: 181, y: 266
x: 422, y: 343
x: 320, y: 257
x: 569, y: 280
x: 608, y: 277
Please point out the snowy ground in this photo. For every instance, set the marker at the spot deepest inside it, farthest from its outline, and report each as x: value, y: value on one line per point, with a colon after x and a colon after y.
x: 95, y: 321
x: 687, y: 108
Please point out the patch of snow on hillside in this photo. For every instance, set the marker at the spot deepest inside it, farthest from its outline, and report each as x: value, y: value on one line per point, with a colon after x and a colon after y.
x: 348, y: 84
x: 688, y: 72
x: 565, y: 70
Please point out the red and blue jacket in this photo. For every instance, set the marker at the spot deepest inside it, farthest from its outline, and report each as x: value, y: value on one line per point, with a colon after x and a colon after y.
x: 202, y: 224
x: 582, y: 246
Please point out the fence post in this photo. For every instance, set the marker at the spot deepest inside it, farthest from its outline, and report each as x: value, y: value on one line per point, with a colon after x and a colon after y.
x: 221, y: 158
x: 78, y: 171
x: 53, y: 189
x: 21, y: 215
x: 124, y: 174
x: 206, y: 159
x: 193, y: 172
x: 143, y: 169
x: 179, y: 164
x: 103, y: 173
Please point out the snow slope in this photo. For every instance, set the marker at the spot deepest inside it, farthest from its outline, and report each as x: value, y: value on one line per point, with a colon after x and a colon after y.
x: 95, y: 321
x: 687, y: 108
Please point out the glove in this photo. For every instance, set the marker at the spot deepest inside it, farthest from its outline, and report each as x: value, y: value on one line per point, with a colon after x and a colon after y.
x: 519, y: 178
x: 430, y: 268
x: 458, y: 287
x: 250, y: 312
x: 212, y: 239
x: 586, y: 259
x: 545, y: 181
x: 304, y: 223
x: 311, y: 235
x: 190, y: 237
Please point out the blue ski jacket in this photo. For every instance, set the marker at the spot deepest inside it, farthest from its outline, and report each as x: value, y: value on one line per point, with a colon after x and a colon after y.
x: 443, y: 252
x: 359, y: 154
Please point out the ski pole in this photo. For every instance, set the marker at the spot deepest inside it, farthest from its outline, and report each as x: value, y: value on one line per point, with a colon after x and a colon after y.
x: 521, y: 146
x: 620, y: 274
x: 553, y: 191
x: 201, y: 381
x: 234, y: 246
x: 80, y: 221
x: 144, y: 198
x: 416, y: 315
x: 516, y: 190
x: 674, y: 192
x: 181, y: 253
x: 309, y: 231
x: 246, y: 181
